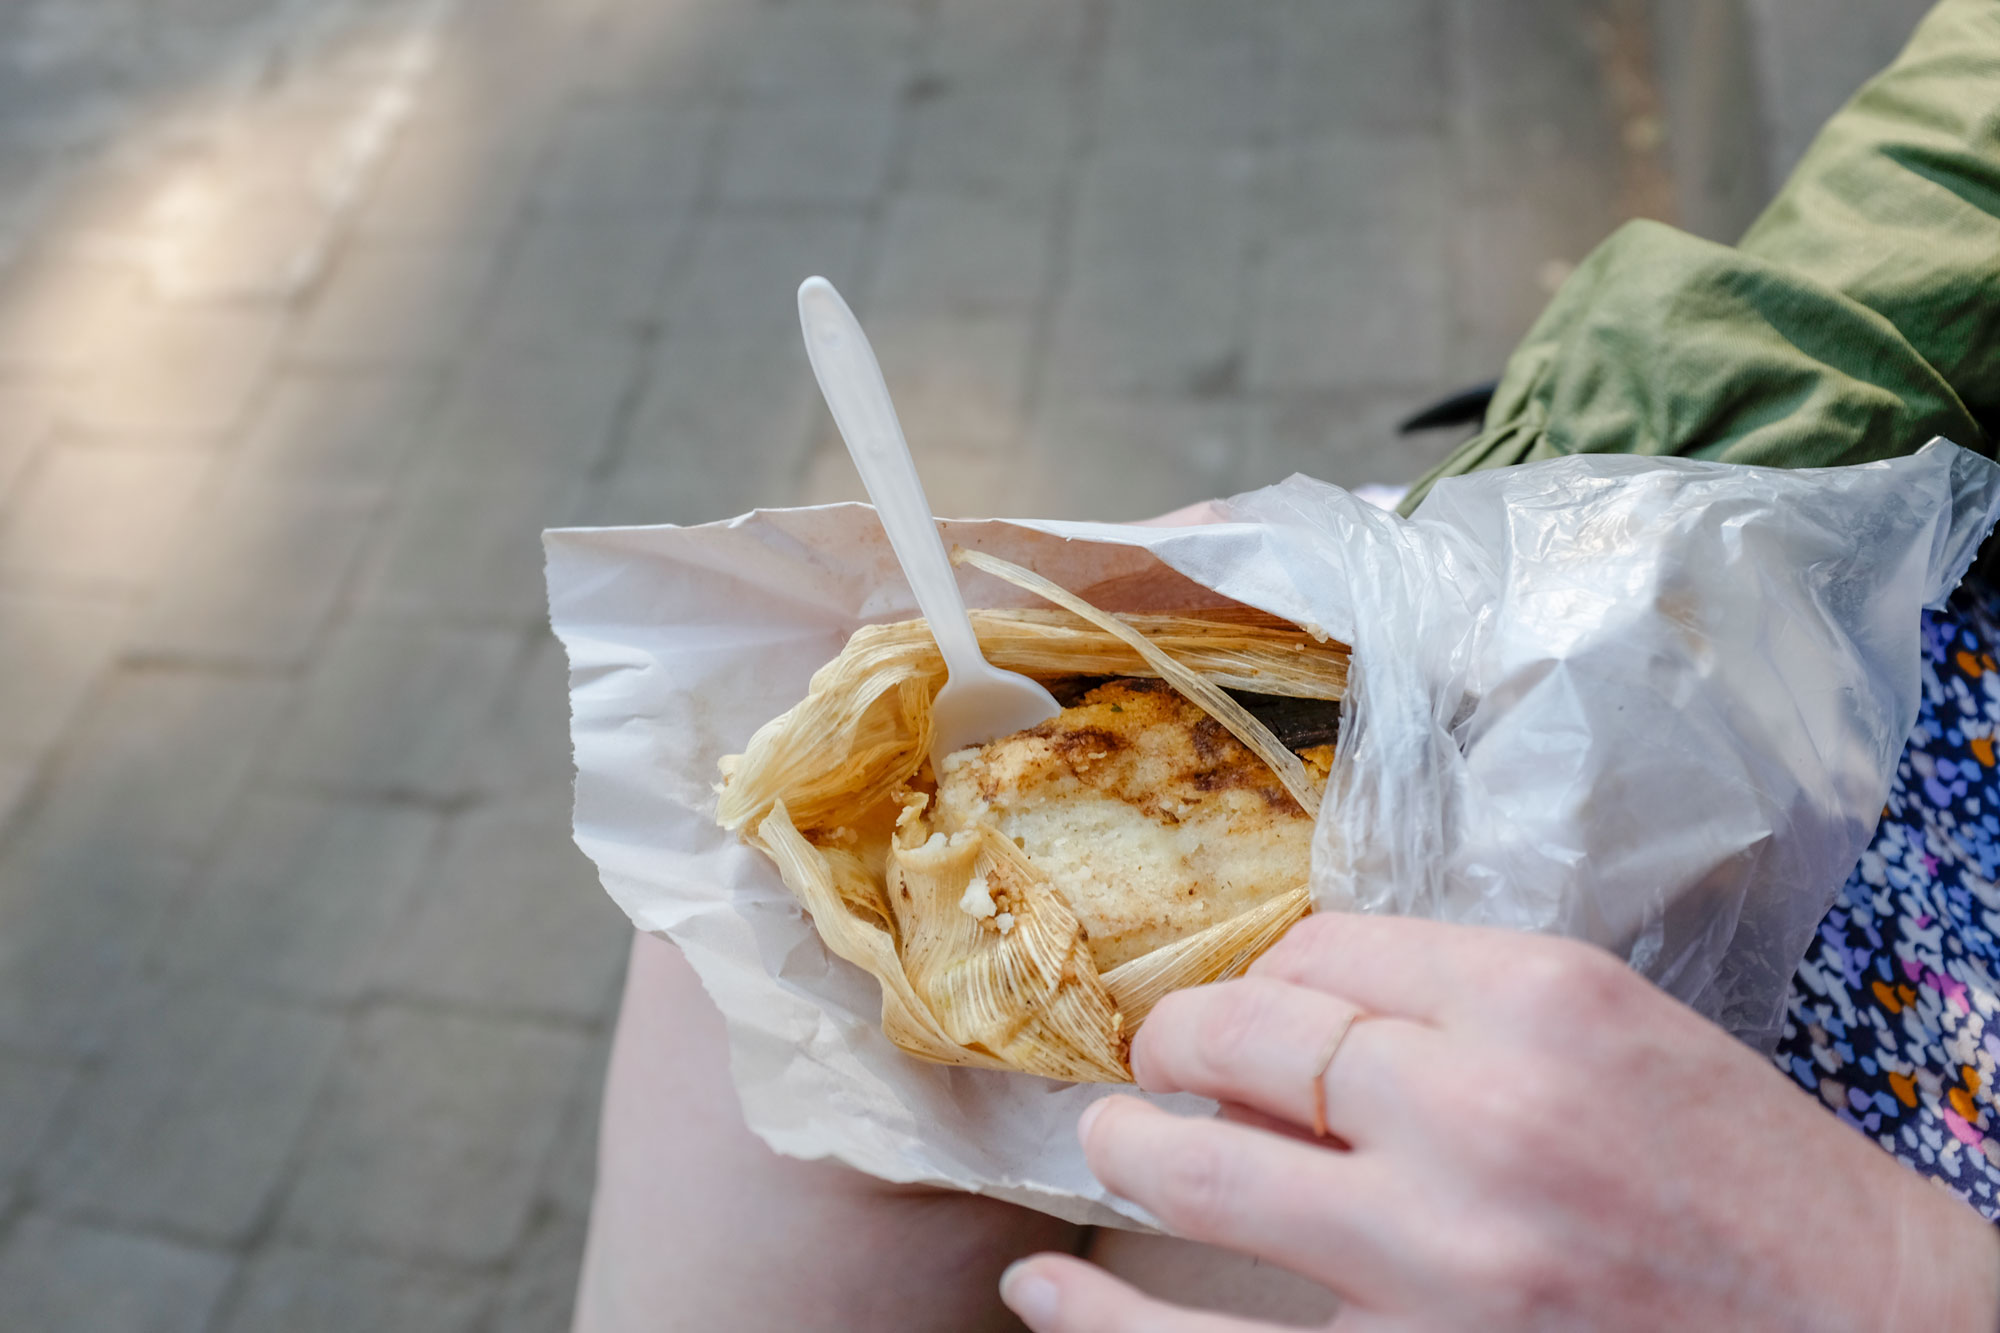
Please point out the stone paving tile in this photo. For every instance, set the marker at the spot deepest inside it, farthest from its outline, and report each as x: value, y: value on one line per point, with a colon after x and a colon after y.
x: 31, y: 1093
x: 261, y: 242
x: 730, y: 416
x: 56, y: 1275
x: 395, y: 305
x: 524, y: 751
x: 158, y: 759
x: 951, y: 253
x: 191, y: 1120
x: 570, y: 1177
x: 1184, y: 33
x: 54, y: 312
x: 435, y: 1135
x: 511, y: 918
x: 305, y: 895
x: 1147, y: 455
x: 451, y: 174
x: 796, y: 51
x: 831, y: 479
x: 294, y: 1289
x: 626, y: 161
x: 1000, y: 140
x: 697, y: 467
x: 253, y: 581
x: 1155, y: 297
x: 987, y: 484
x: 36, y: 170
x: 540, y: 1294
x: 808, y: 150
x: 392, y: 708
x: 75, y: 921
x: 1204, y: 78
x: 671, y: 51
x: 494, y: 32
x: 106, y: 206
x: 1811, y: 58
x: 730, y: 401
x: 1363, y: 65
x: 110, y: 218
x: 53, y: 649
x: 108, y: 845
x: 533, y: 412
x: 568, y: 279
x: 17, y: 776
x: 1354, y: 284
x: 958, y: 384
x: 335, y: 431
x: 1539, y: 156
x: 30, y: 417
x: 1344, y: 436
x: 693, y: 490
x: 465, y: 549
x: 1027, y: 43
x: 177, y: 369
x: 98, y: 516
x: 742, y: 279
x: 1504, y: 267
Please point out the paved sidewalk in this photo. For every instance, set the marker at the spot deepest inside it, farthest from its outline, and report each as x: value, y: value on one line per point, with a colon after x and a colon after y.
x: 314, y: 312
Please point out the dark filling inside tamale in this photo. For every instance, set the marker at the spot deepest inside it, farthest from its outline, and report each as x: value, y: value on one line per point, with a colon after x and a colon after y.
x: 1299, y: 724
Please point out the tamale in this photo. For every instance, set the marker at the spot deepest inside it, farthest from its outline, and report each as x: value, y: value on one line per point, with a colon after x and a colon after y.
x: 1027, y: 906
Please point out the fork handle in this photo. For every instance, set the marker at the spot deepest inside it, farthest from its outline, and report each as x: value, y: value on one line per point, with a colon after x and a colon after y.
x: 851, y: 380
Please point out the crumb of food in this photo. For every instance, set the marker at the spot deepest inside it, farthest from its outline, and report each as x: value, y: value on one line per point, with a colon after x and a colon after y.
x: 977, y: 900
x: 1003, y: 922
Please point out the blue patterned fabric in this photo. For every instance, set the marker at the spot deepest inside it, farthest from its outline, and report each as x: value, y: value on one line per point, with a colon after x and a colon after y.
x: 1892, y: 1016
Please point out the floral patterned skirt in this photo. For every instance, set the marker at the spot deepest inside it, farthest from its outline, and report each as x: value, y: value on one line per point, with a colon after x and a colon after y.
x: 1894, y: 1016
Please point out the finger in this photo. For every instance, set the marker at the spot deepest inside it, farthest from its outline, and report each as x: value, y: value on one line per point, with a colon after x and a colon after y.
x: 1400, y: 966
x: 1301, y: 1206
x: 1244, y: 1115
x: 1053, y: 1293
x: 1268, y: 1045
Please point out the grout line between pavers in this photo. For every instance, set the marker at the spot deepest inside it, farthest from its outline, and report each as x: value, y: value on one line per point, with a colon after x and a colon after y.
x: 703, y: 207
x: 1457, y: 153
x: 125, y: 1226
x: 874, y: 214
x: 1086, y: 87
x: 267, y: 1231
x: 1267, y: 147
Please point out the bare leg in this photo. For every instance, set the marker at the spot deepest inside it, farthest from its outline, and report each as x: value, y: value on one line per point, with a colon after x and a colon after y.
x: 1210, y: 1279
x: 697, y: 1225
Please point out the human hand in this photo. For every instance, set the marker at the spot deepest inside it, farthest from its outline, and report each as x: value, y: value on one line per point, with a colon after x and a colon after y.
x: 1529, y: 1136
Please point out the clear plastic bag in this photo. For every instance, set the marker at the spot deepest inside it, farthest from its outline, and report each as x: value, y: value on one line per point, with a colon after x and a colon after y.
x: 1652, y: 703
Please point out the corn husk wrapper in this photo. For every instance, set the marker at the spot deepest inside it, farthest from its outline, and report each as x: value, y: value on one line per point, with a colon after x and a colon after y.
x: 683, y: 643
x: 954, y: 988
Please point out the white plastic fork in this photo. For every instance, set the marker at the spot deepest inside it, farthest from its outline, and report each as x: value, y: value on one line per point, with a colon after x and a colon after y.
x: 979, y: 701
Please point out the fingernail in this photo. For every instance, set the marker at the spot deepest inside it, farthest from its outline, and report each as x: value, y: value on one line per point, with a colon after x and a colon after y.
x: 1029, y: 1295
x: 1087, y: 1119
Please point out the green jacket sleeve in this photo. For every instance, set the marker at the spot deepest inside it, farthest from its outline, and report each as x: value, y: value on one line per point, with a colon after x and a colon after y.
x: 1856, y: 319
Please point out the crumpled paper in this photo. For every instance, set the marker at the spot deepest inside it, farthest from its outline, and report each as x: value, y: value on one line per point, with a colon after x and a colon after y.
x: 1654, y: 703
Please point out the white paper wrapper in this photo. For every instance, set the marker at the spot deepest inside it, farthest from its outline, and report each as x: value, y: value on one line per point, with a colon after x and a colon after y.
x: 1653, y: 703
